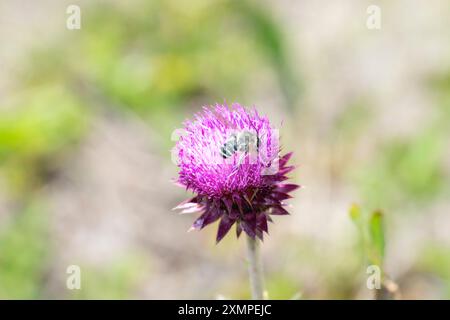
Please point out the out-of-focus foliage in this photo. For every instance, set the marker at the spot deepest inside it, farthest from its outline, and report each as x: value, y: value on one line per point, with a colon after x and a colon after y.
x: 435, y: 262
x: 440, y: 86
x: 408, y: 169
x: 353, y: 120
x: 154, y: 57
x: 25, y: 250
x: 412, y: 169
x: 370, y: 234
x: 34, y: 129
x: 377, y: 236
x: 282, y: 287
x: 116, y: 280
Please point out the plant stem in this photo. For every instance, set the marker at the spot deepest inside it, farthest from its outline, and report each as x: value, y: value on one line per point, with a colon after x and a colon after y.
x: 255, y: 268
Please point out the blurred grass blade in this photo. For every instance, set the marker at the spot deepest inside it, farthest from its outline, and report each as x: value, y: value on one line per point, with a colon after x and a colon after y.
x: 355, y: 213
x: 376, y: 230
x: 271, y: 40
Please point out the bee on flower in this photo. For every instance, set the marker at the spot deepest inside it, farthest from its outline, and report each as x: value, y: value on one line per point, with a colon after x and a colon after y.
x: 224, y: 157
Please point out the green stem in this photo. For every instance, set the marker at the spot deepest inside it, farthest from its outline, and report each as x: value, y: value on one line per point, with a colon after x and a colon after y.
x: 255, y: 268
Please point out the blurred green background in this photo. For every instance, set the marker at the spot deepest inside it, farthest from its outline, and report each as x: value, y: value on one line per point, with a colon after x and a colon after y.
x: 86, y: 118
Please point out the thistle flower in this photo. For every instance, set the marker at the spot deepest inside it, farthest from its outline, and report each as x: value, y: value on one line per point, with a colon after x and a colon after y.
x: 229, y: 158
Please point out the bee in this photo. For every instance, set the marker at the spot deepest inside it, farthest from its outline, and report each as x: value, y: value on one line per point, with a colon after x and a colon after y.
x: 243, y: 142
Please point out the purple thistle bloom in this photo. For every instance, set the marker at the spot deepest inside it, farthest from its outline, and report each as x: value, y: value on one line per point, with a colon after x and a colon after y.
x: 229, y: 158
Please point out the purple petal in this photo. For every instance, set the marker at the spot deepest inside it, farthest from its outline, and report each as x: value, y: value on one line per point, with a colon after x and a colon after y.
x: 251, y: 193
x: 272, y: 179
x: 212, y: 217
x: 187, y: 203
x: 238, y: 202
x: 228, y: 204
x: 286, y: 188
x: 206, y: 218
x: 262, y: 222
x: 184, y: 205
x: 278, y: 210
x: 238, y: 229
x: 249, y: 224
x: 224, y: 226
x: 279, y: 196
x: 192, y: 209
x: 234, y: 215
x: 285, y: 170
x: 198, y: 223
x: 260, y: 234
x: 284, y: 159
x: 248, y: 229
x: 248, y: 201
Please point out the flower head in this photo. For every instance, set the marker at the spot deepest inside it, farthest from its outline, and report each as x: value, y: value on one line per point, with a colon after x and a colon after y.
x: 229, y: 157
